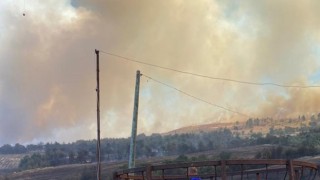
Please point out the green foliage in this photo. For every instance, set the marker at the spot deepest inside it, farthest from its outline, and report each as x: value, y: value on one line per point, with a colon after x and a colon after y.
x: 264, y: 154
x: 225, y: 155
x: 290, y: 153
x: 72, y: 157
x: 82, y: 156
x: 53, y: 154
x: 35, y: 161
x: 182, y: 158
x: 16, y: 149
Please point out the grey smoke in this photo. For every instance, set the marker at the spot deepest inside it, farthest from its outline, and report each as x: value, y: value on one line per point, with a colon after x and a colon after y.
x: 47, y: 62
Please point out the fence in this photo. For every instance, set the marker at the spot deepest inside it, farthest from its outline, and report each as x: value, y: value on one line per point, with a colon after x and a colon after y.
x: 223, y: 170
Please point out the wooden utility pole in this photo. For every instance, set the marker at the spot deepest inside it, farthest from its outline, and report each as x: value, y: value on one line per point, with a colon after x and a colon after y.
x: 132, y: 152
x: 98, y: 120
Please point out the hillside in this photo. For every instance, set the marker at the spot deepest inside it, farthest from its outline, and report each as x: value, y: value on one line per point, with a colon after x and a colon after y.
x: 87, y: 171
x: 77, y: 171
x: 199, y: 128
x: 251, y: 126
x: 10, y: 161
x: 254, y: 138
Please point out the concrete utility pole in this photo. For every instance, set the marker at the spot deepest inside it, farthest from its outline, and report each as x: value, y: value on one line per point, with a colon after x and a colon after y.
x: 98, y: 120
x: 132, y: 152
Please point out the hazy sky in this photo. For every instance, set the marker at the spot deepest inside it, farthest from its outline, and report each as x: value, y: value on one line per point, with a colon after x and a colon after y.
x: 47, y: 64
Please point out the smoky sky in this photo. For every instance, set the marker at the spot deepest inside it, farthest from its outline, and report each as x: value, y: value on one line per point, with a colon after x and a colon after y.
x: 47, y: 63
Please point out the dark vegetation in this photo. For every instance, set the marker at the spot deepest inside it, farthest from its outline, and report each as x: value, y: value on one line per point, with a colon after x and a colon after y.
x: 290, y: 143
x: 117, y: 149
x: 16, y: 149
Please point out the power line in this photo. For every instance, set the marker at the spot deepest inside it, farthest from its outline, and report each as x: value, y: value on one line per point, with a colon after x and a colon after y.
x: 199, y: 99
x: 210, y: 77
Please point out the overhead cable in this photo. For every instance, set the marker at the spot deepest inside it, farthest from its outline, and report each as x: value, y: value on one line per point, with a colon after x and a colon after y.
x: 199, y: 99
x: 210, y: 77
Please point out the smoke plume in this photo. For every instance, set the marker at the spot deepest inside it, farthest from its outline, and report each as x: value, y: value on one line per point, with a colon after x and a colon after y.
x: 47, y: 61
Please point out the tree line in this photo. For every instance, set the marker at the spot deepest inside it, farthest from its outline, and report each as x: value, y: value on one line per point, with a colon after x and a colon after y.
x: 117, y: 149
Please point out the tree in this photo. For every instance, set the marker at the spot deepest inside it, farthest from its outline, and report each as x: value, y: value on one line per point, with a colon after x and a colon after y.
x: 271, y: 130
x: 210, y: 145
x: 6, y: 149
x: 312, y: 124
x: 249, y: 123
x: 256, y: 122
x: 32, y: 147
x: 71, y: 156
x: 56, y: 156
x: 171, y: 147
x: 82, y: 156
x: 35, y: 161
x: 183, y: 148
x: 201, y: 146
x: 289, y: 130
x: 19, y: 149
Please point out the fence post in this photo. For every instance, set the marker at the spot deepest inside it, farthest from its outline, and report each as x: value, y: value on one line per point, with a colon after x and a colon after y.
x: 223, y: 170
x: 291, y: 170
x: 149, y: 172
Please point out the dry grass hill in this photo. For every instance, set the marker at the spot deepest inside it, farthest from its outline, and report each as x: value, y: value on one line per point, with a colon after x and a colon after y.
x: 242, y: 128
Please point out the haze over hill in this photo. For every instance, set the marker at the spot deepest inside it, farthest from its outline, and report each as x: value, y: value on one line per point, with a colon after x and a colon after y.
x: 47, y: 64
x: 252, y: 126
x: 260, y: 138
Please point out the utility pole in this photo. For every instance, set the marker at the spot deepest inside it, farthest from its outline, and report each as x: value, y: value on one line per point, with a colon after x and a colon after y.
x: 98, y: 120
x: 132, y: 152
